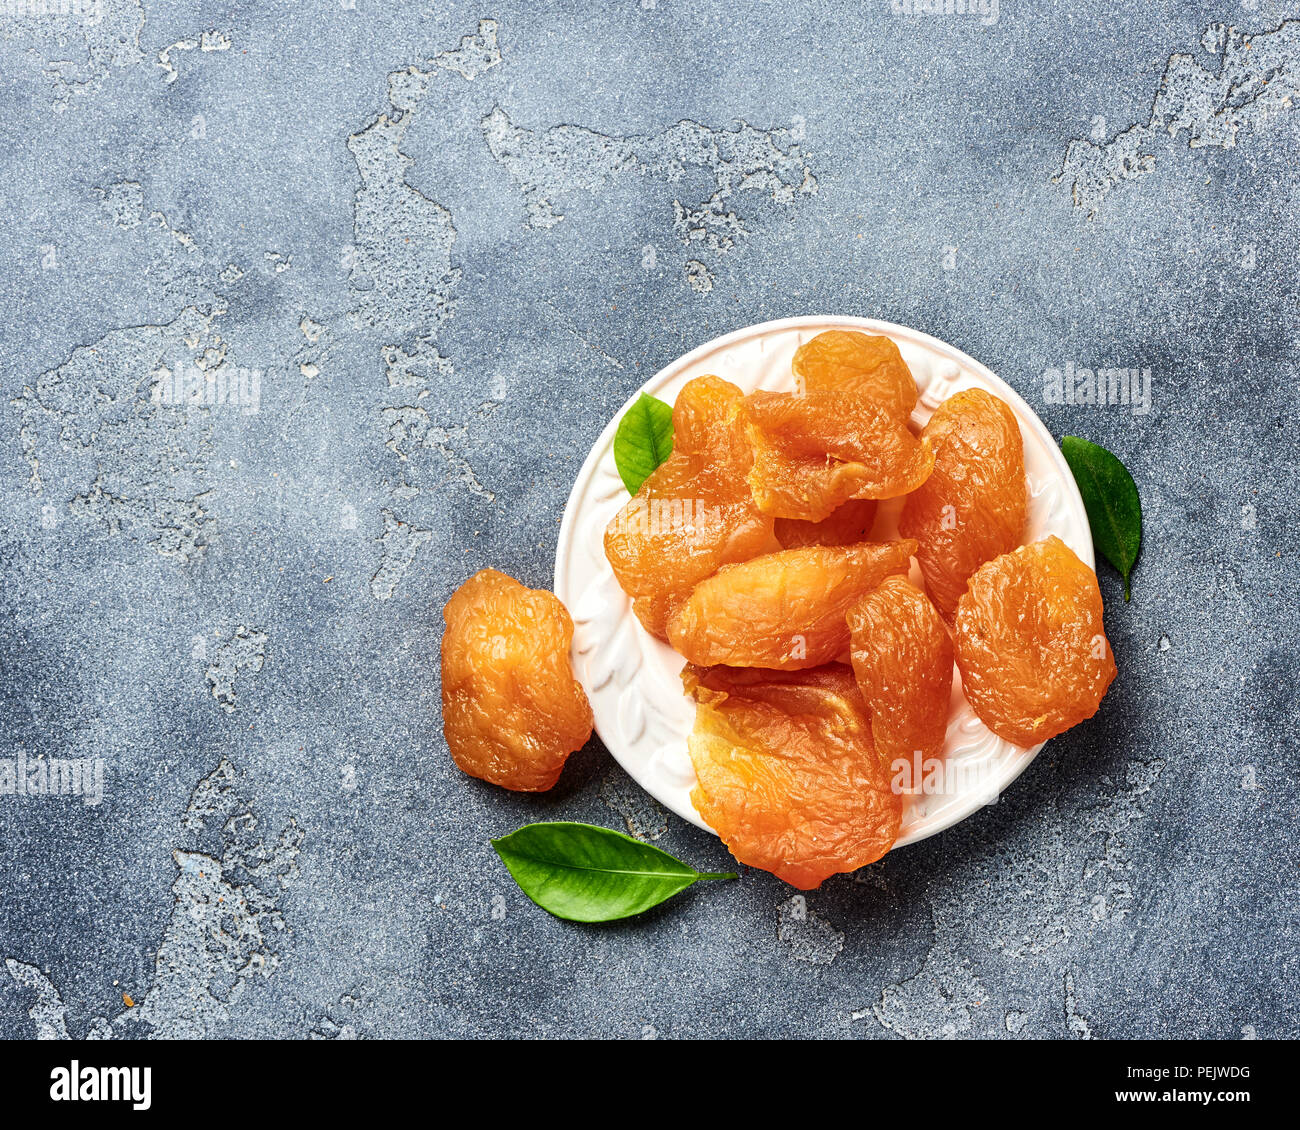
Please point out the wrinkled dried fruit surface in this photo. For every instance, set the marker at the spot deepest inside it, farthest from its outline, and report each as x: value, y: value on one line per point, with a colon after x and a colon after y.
x: 512, y: 711
x: 847, y: 524
x: 695, y: 512
x: 972, y: 507
x: 849, y: 361
x: 814, y: 451
x: 788, y: 776
x: 902, y: 658
x: 1031, y: 644
x: 783, y: 610
x: 653, y: 612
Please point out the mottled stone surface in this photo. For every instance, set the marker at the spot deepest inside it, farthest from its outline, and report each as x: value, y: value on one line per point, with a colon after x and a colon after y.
x: 392, y: 267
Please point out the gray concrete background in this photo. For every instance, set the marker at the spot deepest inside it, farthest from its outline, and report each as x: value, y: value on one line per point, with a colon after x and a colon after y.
x: 447, y: 262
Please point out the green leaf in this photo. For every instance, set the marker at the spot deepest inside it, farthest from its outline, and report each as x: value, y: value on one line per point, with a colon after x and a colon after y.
x: 644, y: 440
x: 590, y: 874
x: 1110, y: 496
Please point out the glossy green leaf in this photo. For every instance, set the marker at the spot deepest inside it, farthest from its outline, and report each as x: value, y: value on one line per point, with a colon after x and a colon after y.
x: 644, y: 439
x: 590, y: 874
x: 1110, y: 496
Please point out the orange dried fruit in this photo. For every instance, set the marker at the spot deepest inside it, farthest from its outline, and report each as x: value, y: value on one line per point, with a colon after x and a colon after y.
x: 653, y: 612
x: 695, y: 512
x: 850, y: 361
x: 848, y: 523
x: 1030, y: 643
x: 787, y: 773
x: 783, y: 610
x: 972, y: 508
x: 902, y: 658
x: 512, y: 711
x: 814, y: 451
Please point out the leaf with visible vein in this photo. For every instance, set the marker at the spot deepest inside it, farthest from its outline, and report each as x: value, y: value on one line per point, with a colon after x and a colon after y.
x: 1111, y: 498
x: 644, y: 439
x: 589, y: 874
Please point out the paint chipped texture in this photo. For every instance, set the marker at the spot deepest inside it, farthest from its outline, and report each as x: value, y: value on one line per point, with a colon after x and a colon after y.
x: 409, y: 432
x: 207, y: 41
x: 95, y: 438
x: 401, y: 272
x: 79, y: 50
x: 244, y: 653
x: 1240, y: 84
x: 436, y: 356
x: 564, y: 160
x: 47, y: 1013
x: 806, y: 936
x: 222, y: 933
x: 398, y: 546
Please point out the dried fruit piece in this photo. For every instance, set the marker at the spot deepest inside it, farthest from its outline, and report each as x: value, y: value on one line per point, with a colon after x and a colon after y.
x: 1031, y: 644
x: 692, y: 514
x: 856, y: 362
x: 847, y: 524
x: 512, y: 711
x: 654, y: 611
x: 783, y: 610
x: 902, y: 657
x: 972, y: 507
x: 815, y: 450
x: 787, y: 772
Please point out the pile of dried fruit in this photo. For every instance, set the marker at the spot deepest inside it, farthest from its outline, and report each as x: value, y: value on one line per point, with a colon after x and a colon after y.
x: 815, y: 666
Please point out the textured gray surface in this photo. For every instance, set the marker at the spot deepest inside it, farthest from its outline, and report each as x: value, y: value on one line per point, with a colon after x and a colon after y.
x: 434, y: 267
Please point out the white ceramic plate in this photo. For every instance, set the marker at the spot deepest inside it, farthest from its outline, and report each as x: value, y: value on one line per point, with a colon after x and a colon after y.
x: 632, y: 679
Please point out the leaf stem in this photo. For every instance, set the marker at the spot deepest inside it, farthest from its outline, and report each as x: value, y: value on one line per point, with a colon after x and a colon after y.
x: 717, y: 875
